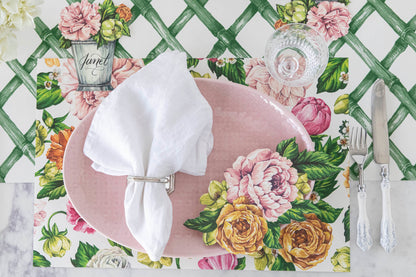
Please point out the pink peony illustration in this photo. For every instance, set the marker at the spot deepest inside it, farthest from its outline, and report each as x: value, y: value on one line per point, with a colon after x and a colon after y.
x: 75, y: 219
x: 80, y: 21
x: 82, y: 102
x: 266, y: 178
x: 221, y: 262
x: 40, y: 213
x: 314, y: 114
x: 331, y: 19
x: 258, y: 77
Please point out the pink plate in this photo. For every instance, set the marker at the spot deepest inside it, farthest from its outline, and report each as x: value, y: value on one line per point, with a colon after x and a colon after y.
x: 244, y: 120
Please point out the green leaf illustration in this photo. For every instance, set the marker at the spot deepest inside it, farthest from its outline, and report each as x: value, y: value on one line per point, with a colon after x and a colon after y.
x: 316, y: 164
x: 54, y: 189
x: 322, y: 210
x: 288, y: 148
x: 178, y: 263
x: 45, y: 234
x: 55, y: 230
x: 241, y: 264
x: 64, y: 43
x: 205, y: 223
x: 281, y: 11
x: 99, y: 39
x: 271, y: 239
x: 45, y: 116
x: 346, y: 222
x: 317, y: 140
x: 302, y: 207
x: 126, y: 30
x: 59, y: 127
x: 334, y: 150
x: 295, y: 214
x: 336, y: 155
x: 61, y: 119
x: 281, y: 265
x: 309, y: 3
x: 125, y: 249
x: 330, y: 81
x: 40, y: 260
x: 49, y: 92
x: 84, y: 253
x: 107, y: 10
x: 56, y: 124
x: 327, y: 213
x: 325, y: 187
x: 233, y: 71
x: 192, y: 62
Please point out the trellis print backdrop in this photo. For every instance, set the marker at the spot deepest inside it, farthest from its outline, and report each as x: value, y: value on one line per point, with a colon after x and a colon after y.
x: 226, y: 40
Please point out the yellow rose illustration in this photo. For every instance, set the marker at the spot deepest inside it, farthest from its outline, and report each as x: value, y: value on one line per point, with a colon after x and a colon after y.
x: 241, y: 227
x: 306, y: 243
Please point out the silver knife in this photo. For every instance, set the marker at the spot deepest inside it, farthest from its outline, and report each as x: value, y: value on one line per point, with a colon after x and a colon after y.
x: 381, y: 156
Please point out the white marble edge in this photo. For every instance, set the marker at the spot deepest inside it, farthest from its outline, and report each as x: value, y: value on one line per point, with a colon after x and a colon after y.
x: 16, y: 240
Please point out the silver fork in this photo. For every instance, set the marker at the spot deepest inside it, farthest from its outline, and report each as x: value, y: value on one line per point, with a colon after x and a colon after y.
x: 358, y: 152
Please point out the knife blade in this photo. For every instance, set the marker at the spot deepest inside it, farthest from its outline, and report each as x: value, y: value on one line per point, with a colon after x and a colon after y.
x: 379, y: 123
x: 381, y: 156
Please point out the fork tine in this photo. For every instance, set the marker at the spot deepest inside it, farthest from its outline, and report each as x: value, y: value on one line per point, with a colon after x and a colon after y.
x: 365, y: 139
x: 353, y: 138
x: 362, y: 138
x: 357, y: 138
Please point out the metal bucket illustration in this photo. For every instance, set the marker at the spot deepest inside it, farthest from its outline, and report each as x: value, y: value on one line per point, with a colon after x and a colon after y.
x: 94, y: 65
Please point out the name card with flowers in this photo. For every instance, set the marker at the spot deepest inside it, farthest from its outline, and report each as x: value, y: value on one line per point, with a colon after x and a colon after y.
x: 92, y: 30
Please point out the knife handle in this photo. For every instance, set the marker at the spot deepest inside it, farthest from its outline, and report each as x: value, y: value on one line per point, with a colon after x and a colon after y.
x: 364, y: 240
x: 387, y: 229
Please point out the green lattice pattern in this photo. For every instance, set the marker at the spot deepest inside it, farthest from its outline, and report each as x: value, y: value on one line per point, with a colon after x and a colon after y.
x: 226, y: 39
x: 380, y: 69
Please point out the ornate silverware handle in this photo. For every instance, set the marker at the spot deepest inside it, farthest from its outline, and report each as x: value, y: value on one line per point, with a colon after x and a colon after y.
x: 387, y: 229
x: 364, y: 239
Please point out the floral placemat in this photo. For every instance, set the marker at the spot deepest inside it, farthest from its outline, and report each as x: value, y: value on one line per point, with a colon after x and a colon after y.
x: 288, y: 225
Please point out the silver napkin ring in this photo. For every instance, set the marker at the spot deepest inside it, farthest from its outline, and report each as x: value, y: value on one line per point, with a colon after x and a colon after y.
x: 169, y: 181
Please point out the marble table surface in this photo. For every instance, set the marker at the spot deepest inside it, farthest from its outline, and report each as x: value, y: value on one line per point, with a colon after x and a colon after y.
x: 17, y: 222
x: 16, y: 200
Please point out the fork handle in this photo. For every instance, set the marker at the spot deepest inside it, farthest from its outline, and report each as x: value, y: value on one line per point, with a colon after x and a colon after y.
x: 364, y: 240
x: 387, y: 229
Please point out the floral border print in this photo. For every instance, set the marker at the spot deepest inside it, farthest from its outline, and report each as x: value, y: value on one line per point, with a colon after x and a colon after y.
x: 272, y: 196
x: 330, y: 18
x: 270, y: 205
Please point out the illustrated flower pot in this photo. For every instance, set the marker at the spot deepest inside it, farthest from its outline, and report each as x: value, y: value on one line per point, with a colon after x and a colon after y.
x: 94, y: 65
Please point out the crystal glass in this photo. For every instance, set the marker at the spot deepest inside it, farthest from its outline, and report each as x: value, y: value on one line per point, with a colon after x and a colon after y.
x: 296, y: 55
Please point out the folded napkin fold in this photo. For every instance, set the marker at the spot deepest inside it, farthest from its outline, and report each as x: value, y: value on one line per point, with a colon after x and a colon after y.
x: 154, y: 124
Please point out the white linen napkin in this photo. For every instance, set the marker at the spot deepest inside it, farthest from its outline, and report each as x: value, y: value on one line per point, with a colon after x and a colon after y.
x: 154, y: 124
